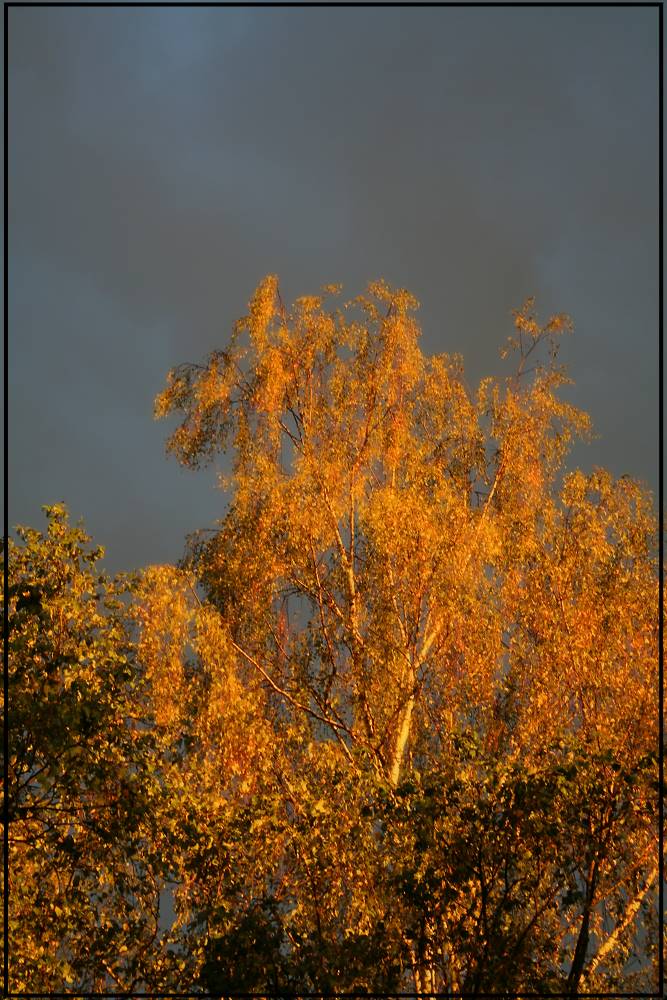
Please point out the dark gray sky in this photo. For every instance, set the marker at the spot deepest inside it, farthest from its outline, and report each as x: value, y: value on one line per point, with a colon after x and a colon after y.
x: 163, y: 160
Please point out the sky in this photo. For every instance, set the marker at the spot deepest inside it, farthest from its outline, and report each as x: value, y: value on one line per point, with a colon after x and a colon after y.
x: 163, y: 160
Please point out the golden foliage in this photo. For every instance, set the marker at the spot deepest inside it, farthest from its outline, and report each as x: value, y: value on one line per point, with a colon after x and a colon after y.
x: 414, y: 526
x: 404, y: 563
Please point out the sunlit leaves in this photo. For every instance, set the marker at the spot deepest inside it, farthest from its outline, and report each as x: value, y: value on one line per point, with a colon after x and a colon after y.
x: 403, y: 566
x: 84, y: 865
x: 385, y: 727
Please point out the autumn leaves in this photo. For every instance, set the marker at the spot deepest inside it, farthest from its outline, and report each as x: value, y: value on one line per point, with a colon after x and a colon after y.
x: 389, y: 718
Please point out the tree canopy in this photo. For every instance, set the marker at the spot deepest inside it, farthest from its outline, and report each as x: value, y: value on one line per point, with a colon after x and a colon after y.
x: 391, y: 726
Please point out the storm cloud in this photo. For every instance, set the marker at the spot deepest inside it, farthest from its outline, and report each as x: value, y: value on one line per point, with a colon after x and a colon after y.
x: 163, y: 160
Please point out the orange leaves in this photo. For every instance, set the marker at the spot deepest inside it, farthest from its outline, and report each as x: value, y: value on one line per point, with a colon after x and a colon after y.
x: 559, y: 323
x: 229, y: 726
x: 584, y: 616
x: 211, y: 643
x: 223, y: 712
x: 418, y: 529
x: 526, y: 321
x: 262, y: 309
x: 164, y: 611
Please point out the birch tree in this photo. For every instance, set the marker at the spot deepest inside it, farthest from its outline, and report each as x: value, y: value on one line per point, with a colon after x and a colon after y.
x: 404, y: 566
x: 392, y: 723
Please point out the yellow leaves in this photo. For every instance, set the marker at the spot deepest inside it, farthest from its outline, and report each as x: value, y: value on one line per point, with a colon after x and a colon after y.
x: 399, y: 300
x: 490, y: 539
x: 559, y: 323
x: 308, y: 303
x: 575, y: 486
x: 396, y: 569
x: 582, y: 616
x: 262, y: 308
x: 164, y: 611
x: 211, y: 642
x: 164, y: 400
x: 272, y: 380
x: 227, y: 712
x: 534, y: 478
x: 526, y: 322
x: 406, y: 516
x: 400, y: 528
x: 527, y: 325
x: 511, y: 345
x: 211, y: 388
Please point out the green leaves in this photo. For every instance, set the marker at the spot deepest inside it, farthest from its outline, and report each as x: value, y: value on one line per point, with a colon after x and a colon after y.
x: 80, y: 788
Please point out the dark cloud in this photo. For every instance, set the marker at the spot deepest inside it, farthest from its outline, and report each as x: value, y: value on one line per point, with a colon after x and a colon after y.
x: 162, y: 160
